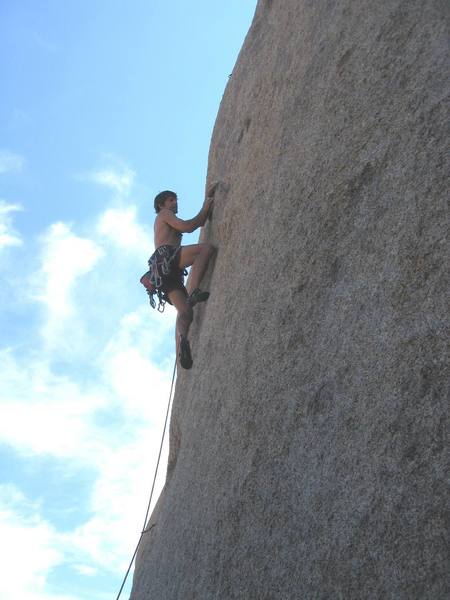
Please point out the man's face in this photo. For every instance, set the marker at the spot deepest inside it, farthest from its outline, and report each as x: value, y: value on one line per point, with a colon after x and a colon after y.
x: 172, y: 204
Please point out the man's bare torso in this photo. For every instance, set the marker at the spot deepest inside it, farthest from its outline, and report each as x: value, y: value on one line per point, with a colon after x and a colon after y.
x: 164, y: 233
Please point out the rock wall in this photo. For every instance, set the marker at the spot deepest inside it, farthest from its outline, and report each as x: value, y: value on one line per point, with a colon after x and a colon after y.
x: 307, y: 442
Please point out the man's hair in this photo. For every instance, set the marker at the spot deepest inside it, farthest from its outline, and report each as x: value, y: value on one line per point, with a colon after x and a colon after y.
x: 161, y: 198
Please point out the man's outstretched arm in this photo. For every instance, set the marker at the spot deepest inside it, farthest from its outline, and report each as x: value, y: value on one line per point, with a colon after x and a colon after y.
x: 190, y: 225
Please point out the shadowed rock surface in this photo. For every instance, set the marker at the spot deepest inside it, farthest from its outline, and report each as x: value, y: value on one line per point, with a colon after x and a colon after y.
x: 307, y: 443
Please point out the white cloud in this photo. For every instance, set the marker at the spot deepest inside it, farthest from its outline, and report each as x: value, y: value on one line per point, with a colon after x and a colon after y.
x: 46, y: 414
x: 126, y: 364
x: 86, y: 570
x: 8, y: 237
x: 119, y: 225
x: 65, y: 259
x: 30, y: 549
x: 120, y: 180
x: 42, y: 413
x: 9, y: 161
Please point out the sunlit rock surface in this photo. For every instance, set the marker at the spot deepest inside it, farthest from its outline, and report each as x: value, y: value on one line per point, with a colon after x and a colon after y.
x: 307, y: 442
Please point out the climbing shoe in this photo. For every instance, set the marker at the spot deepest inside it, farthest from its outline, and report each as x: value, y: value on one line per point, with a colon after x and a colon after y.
x: 185, y: 353
x: 197, y: 296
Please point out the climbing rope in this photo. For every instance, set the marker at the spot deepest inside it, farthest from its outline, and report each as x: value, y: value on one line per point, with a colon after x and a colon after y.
x: 153, y: 484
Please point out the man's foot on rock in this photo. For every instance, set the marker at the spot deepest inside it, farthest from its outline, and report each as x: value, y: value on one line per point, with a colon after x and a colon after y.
x: 184, y: 353
x: 197, y: 296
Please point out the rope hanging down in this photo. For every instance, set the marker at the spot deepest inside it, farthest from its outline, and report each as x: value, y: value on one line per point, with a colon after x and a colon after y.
x: 153, y: 485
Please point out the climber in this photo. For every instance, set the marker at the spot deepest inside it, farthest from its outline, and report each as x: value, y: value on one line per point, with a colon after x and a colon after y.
x: 167, y: 265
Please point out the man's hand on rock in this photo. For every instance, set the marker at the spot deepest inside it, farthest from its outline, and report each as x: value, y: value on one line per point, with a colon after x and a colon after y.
x: 212, y: 189
x: 208, y: 204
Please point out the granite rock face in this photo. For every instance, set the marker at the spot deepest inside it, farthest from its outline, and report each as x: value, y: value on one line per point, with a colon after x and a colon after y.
x: 308, y: 441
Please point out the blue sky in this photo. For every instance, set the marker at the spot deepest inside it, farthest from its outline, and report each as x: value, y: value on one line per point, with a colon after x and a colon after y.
x: 103, y: 104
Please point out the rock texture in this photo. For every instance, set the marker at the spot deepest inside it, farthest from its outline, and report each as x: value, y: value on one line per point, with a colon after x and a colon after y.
x: 308, y: 442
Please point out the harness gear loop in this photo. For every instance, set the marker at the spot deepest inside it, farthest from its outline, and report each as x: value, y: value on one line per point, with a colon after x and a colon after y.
x: 160, y: 266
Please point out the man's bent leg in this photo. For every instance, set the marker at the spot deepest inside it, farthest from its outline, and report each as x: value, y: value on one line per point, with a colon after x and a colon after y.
x: 198, y: 256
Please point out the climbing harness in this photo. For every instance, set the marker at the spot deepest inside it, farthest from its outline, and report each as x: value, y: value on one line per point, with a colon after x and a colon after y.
x: 144, y: 530
x: 160, y: 266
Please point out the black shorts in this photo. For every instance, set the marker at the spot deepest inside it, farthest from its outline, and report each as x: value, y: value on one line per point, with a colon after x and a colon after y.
x: 167, y: 276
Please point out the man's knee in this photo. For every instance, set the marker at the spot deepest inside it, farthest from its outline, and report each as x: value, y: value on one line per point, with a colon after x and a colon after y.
x: 208, y: 249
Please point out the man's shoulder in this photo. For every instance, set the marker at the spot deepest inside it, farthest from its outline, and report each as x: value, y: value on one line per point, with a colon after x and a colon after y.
x: 162, y: 215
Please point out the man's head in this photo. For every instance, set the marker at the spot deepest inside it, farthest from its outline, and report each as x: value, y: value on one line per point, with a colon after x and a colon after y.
x: 165, y: 200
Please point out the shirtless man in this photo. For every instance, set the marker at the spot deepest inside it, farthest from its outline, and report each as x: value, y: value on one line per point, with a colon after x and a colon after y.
x: 170, y: 259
